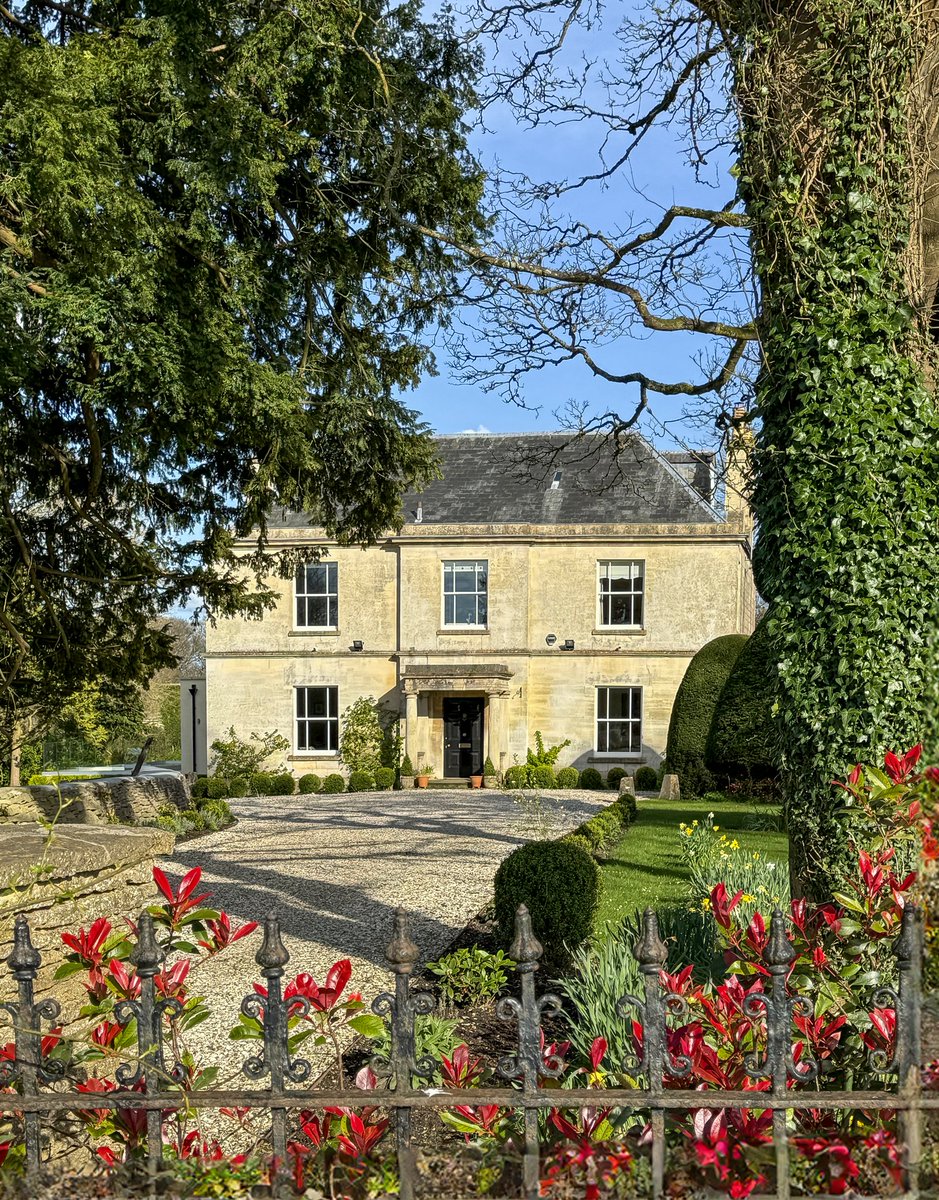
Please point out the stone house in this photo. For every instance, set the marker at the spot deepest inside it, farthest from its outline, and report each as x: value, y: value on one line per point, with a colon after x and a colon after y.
x: 526, y: 590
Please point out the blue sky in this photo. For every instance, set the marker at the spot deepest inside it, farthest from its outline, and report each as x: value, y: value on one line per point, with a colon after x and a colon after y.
x: 661, y: 177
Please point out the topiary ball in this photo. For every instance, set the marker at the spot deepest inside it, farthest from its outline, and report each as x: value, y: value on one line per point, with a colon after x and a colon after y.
x: 333, y: 785
x: 560, y: 885
x: 310, y: 784
x: 646, y: 779
x: 238, y: 788
x: 200, y: 787
x: 542, y: 777
x: 384, y: 778
x: 568, y: 777
x: 218, y: 788
x: 282, y: 784
x: 591, y: 779
x: 261, y: 783
x: 516, y: 777
x: 614, y: 775
x: 361, y: 781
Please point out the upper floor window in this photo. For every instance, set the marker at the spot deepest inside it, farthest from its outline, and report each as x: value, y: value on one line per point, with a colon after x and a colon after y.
x: 621, y: 593
x: 465, y: 593
x: 619, y: 720
x: 316, y: 591
x: 318, y: 719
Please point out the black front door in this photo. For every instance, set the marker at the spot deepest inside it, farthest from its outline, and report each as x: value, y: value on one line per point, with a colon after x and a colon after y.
x: 462, y: 736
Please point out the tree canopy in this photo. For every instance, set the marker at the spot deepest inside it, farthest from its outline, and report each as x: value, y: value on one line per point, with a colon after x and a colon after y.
x: 212, y: 295
x: 810, y: 282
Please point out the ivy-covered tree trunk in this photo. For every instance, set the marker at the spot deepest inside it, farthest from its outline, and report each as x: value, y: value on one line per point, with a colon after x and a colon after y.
x: 847, y: 480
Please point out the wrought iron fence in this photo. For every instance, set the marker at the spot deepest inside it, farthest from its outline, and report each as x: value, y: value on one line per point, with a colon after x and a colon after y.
x: 158, y: 1084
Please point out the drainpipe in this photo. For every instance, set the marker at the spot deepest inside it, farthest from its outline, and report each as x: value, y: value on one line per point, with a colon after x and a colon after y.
x: 193, y: 692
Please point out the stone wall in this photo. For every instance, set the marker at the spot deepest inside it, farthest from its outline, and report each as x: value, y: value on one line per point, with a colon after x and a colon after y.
x: 120, y: 800
x: 65, y: 879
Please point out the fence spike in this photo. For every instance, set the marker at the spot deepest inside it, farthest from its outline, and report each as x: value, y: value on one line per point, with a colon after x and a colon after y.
x: 779, y: 950
x: 273, y: 954
x: 651, y: 952
x: 148, y: 954
x: 525, y: 949
x: 24, y: 958
x: 401, y: 952
x: 905, y: 945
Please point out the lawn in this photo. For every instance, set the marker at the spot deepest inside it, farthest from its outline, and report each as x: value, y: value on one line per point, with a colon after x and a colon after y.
x: 647, y: 868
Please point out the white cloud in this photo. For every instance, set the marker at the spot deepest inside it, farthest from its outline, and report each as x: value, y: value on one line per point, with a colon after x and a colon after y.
x: 478, y: 429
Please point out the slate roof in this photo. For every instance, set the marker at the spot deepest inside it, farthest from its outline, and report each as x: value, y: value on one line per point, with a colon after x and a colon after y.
x: 494, y: 479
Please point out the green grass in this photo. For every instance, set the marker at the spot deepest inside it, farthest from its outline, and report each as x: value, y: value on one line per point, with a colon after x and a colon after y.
x: 647, y: 868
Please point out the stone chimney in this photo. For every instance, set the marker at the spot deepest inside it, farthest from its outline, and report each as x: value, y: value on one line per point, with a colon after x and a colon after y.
x: 737, y: 471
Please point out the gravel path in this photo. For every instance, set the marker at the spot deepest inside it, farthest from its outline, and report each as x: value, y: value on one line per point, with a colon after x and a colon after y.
x: 336, y: 867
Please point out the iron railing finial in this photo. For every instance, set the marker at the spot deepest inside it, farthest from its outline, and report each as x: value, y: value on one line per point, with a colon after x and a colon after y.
x: 24, y: 958
x: 526, y: 950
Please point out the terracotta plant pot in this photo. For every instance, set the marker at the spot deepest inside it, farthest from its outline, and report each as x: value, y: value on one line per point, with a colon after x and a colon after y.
x: 476, y: 780
x: 422, y: 780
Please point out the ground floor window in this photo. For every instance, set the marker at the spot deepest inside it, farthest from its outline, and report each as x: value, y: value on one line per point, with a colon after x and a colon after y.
x: 619, y: 720
x: 318, y: 719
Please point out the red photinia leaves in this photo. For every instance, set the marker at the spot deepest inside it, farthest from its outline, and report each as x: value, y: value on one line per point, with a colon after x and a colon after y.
x: 322, y: 999
x: 221, y: 934
x: 88, y: 947
x: 883, y: 1031
x: 461, y: 1071
x: 359, y: 1139
x: 181, y: 902
x: 899, y: 769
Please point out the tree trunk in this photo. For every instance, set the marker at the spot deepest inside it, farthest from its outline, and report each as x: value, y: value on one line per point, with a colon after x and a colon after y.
x: 846, y: 247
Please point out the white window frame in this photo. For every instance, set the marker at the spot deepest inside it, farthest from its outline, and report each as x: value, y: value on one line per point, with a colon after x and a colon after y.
x: 477, y: 564
x: 607, y: 720
x: 329, y: 689
x: 603, y: 565
x: 331, y: 597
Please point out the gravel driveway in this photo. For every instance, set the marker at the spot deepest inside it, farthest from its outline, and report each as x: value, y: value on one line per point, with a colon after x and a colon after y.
x: 336, y: 867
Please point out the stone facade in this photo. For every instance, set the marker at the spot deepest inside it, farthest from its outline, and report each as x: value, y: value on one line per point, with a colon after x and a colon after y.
x: 542, y: 656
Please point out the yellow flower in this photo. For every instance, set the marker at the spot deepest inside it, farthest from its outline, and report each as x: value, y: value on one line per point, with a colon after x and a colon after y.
x: 694, y: 824
x: 756, y: 855
x: 735, y: 845
x: 716, y: 827
x: 747, y: 897
x: 705, y: 903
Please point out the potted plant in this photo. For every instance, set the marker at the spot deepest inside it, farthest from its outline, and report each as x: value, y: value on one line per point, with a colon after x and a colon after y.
x: 476, y: 779
x: 424, y: 772
x: 490, y: 778
x: 407, y: 773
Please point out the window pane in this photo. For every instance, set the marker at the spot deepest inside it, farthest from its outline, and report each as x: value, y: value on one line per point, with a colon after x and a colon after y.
x: 301, y: 611
x: 301, y: 702
x: 316, y: 578
x: 316, y: 610
x: 332, y: 695
x: 465, y: 609
x: 601, y: 735
x: 301, y: 736
x: 333, y: 608
x: 318, y: 735
x: 481, y: 579
x: 601, y: 701
x: 464, y: 577
x: 620, y: 736
x: 448, y: 618
x: 483, y: 610
x: 637, y: 609
x: 331, y: 576
x: 332, y: 728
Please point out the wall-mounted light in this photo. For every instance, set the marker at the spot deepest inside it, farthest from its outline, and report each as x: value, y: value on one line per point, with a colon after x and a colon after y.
x: 358, y: 645
x: 551, y: 638
x: 568, y: 645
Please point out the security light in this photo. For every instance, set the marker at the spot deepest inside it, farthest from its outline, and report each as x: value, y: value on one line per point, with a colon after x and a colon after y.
x: 568, y: 645
x: 551, y: 638
x: 358, y: 645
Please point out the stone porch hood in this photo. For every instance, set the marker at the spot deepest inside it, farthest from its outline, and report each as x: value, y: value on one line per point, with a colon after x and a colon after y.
x: 491, y: 678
